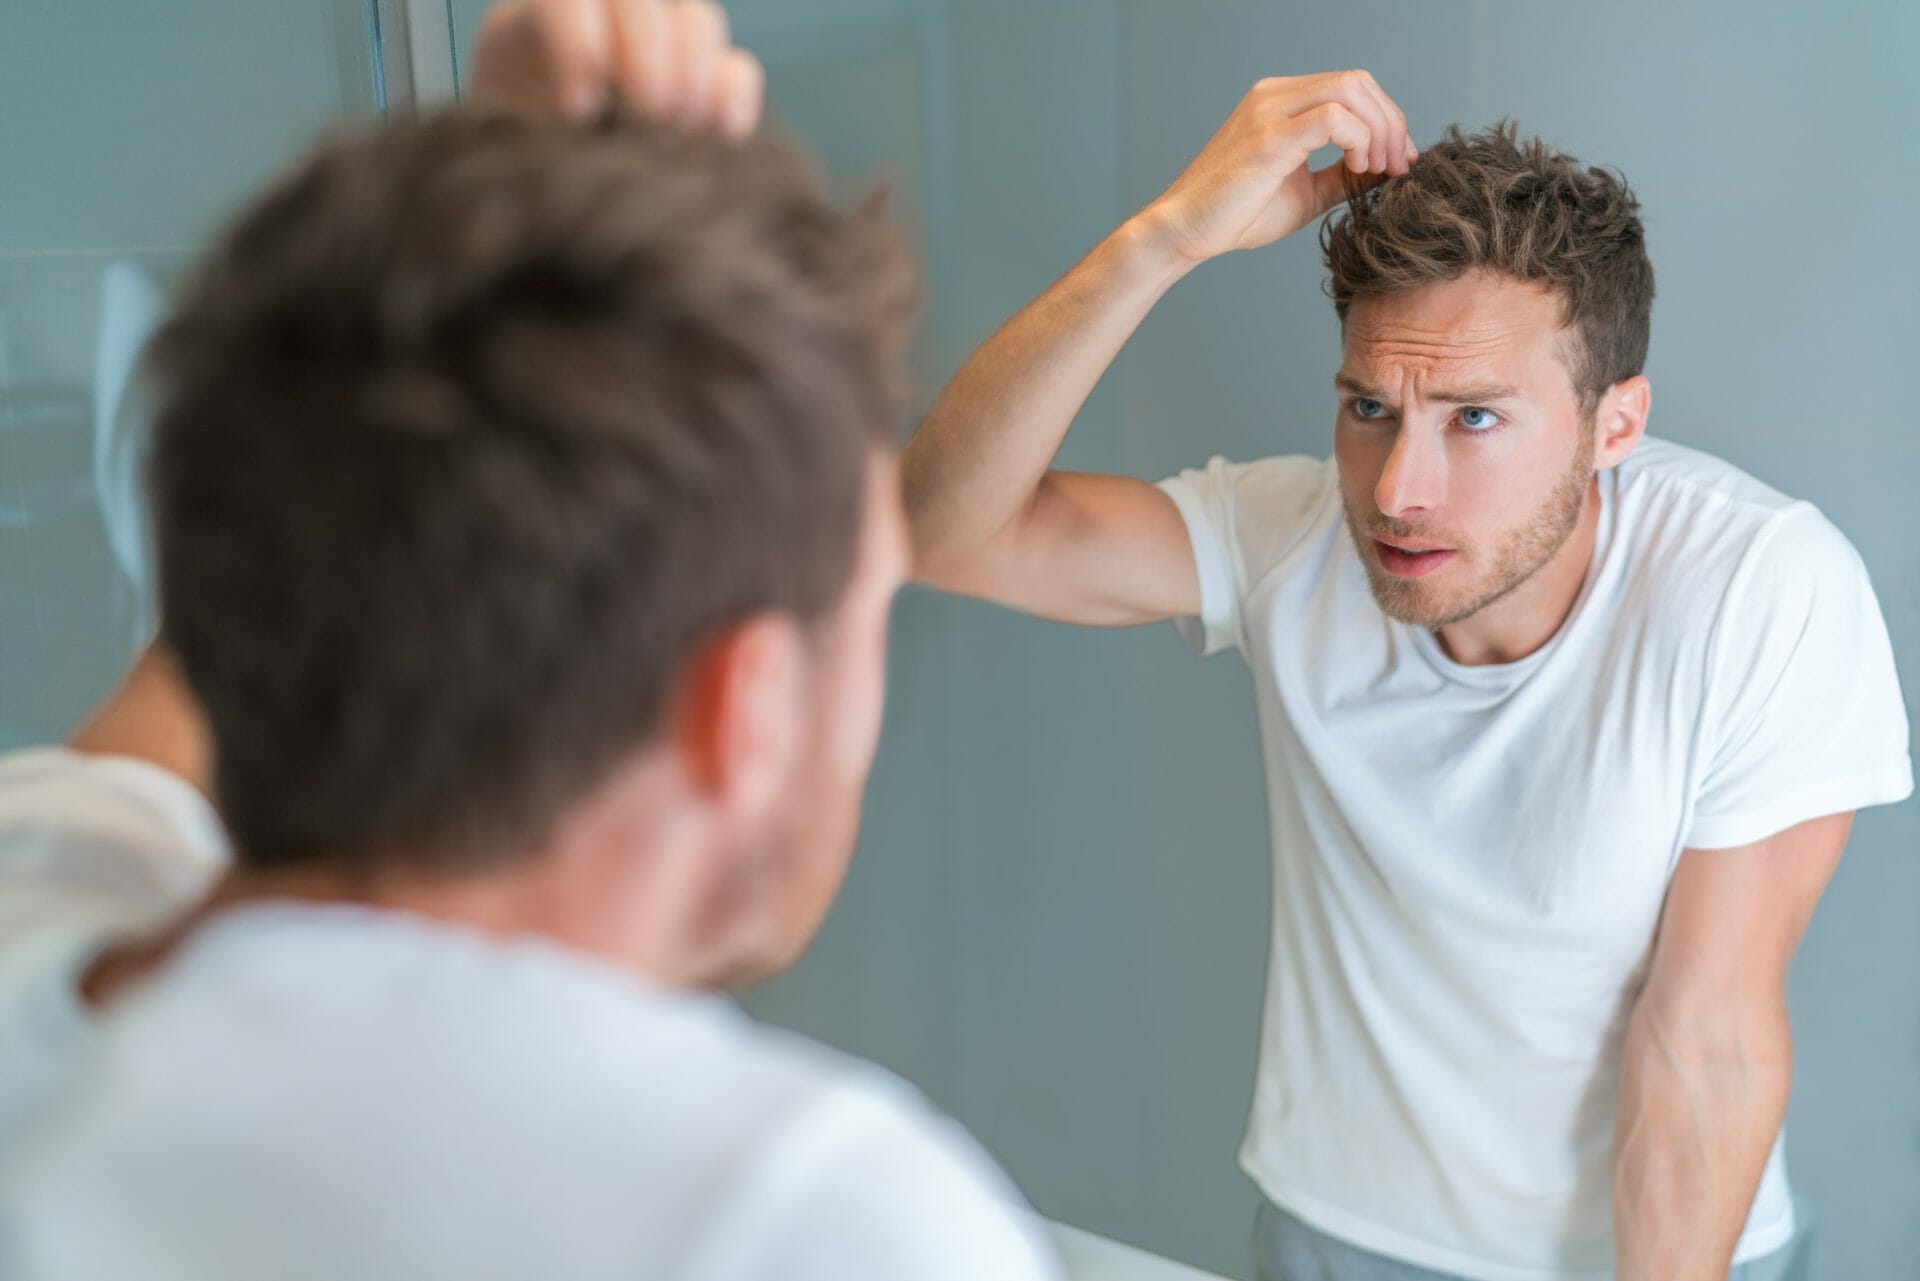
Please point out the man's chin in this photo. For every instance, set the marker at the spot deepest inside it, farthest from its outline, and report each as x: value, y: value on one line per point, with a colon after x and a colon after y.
x: 1422, y: 604
x: 767, y: 963
x: 1412, y: 614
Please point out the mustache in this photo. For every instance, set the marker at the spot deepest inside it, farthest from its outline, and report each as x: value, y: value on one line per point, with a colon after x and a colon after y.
x: 1390, y: 528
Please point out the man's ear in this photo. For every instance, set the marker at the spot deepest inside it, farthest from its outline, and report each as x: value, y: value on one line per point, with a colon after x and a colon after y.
x: 1620, y: 420
x: 740, y: 716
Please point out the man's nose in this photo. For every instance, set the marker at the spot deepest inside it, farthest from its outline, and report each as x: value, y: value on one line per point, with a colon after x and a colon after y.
x: 1415, y: 474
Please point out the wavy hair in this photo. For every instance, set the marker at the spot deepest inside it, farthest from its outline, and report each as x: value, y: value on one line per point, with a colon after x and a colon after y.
x: 1495, y: 201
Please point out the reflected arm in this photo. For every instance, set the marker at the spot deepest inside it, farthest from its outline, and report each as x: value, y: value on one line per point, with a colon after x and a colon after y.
x: 151, y: 716
x: 1708, y: 1057
x: 990, y: 518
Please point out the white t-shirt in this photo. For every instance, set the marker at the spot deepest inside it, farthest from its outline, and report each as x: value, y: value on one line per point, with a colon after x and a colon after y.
x: 1469, y: 862
x: 308, y: 1091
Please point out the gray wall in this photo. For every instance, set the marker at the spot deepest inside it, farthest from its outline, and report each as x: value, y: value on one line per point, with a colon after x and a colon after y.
x: 1057, y: 924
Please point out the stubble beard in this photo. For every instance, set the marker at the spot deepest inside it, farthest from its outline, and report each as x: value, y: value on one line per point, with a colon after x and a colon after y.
x: 788, y: 875
x: 1522, y: 554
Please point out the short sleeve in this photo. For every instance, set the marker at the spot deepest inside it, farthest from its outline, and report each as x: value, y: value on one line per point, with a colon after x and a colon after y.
x: 99, y: 841
x: 1805, y: 714
x: 90, y: 848
x: 872, y: 1183
x: 1242, y: 519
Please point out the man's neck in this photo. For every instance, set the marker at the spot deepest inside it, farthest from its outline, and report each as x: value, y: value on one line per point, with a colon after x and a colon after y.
x: 611, y: 886
x: 1529, y: 616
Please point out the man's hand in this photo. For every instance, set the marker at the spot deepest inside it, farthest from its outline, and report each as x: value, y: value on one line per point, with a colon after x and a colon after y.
x: 1250, y: 185
x: 670, y: 59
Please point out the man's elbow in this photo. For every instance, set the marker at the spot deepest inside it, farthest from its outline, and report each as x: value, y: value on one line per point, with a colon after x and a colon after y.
x: 966, y: 569
x: 955, y: 554
x: 944, y: 550
x: 1720, y: 1049
x: 948, y: 563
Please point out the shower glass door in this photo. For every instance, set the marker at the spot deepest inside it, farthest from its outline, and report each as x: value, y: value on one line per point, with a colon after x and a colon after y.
x: 128, y: 129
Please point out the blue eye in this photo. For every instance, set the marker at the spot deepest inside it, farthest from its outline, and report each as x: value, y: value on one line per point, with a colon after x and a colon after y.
x: 1474, y: 419
x: 1364, y: 408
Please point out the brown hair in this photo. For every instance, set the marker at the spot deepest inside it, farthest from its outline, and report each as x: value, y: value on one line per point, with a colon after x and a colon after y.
x: 470, y: 430
x: 1492, y: 200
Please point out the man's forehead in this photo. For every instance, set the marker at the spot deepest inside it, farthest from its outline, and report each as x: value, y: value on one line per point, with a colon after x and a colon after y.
x: 1478, y: 322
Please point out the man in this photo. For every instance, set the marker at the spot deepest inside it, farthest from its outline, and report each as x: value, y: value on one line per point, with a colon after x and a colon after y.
x: 1563, y: 726
x: 527, y: 527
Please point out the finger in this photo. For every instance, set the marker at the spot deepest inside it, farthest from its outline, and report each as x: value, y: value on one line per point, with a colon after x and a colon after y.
x: 645, y: 55
x: 1395, y: 150
x: 1330, y: 123
x: 578, y: 44
x: 742, y: 93
x: 1380, y: 122
x: 700, y: 36
x: 1400, y: 145
x: 1348, y: 89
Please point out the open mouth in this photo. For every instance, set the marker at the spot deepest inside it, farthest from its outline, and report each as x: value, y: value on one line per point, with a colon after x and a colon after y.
x: 1410, y: 562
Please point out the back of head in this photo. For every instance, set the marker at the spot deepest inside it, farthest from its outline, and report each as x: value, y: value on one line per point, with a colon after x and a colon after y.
x: 1493, y: 201
x: 468, y: 432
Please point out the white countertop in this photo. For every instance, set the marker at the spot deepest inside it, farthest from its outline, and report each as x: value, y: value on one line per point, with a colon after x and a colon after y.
x: 1095, y: 1258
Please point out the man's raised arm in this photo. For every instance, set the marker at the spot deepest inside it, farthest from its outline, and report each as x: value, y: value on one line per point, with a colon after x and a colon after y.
x: 990, y: 517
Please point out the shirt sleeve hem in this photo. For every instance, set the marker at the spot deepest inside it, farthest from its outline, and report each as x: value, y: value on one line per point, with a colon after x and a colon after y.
x: 1839, y: 796
x: 1216, y: 627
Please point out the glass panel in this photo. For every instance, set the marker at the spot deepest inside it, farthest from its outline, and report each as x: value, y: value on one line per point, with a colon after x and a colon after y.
x: 127, y: 130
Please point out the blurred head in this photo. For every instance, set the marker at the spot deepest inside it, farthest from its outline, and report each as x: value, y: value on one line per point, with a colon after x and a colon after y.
x: 1495, y: 304
x: 525, y: 492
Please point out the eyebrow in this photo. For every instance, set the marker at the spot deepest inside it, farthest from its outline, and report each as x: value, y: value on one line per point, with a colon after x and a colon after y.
x: 1479, y: 395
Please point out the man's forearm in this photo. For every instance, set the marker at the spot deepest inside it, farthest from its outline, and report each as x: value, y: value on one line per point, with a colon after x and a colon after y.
x: 1698, y: 1116
x: 992, y: 434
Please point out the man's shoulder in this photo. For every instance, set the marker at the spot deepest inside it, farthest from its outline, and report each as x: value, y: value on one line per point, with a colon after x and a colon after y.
x: 1667, y: 479
x: 424, y: 1056
x: 97, y: 845
x: 52, y: 799
x: 1276, y: 477
x: 821, y: 1164
x: 869, y: 1179
x: 515, y: 1027
x: 1259, y: 510
x: 1701, y: 527
x: 1688, y: 507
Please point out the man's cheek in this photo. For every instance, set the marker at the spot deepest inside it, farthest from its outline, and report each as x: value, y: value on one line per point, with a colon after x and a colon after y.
x: 858, y: 709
